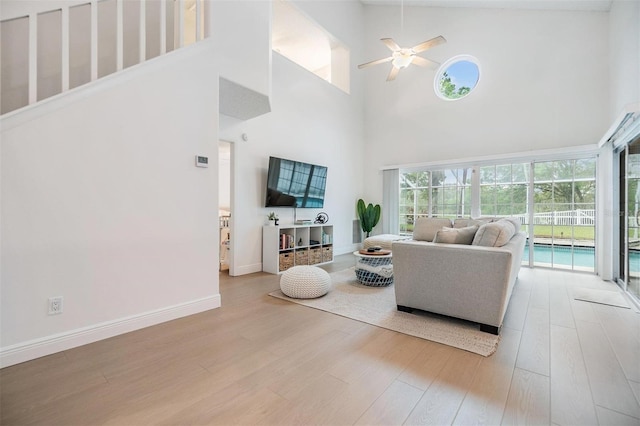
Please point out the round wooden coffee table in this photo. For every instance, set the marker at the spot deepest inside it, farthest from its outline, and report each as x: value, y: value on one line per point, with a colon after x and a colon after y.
x: 374, y: 269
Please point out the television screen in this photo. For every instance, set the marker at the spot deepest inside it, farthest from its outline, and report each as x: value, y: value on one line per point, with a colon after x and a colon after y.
x: 295, y: 184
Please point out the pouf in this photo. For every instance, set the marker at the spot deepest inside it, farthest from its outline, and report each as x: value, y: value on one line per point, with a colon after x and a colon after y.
x: 383, y: 240
x: 305, y: 282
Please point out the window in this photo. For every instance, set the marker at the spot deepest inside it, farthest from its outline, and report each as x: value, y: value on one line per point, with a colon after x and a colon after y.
x: 457, y: 77
x: 564, y: 214
x: 414, y: 199
x: 560, y: 227
x: 451, y: 193
x: 504, y: 189
x: 441, y: 193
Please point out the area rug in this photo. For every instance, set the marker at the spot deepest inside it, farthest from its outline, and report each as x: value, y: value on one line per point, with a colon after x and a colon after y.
x: 377, y: 306
x: 604, y: 297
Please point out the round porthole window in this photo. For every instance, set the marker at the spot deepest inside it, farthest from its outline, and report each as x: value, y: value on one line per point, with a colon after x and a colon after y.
x: 457, y: 77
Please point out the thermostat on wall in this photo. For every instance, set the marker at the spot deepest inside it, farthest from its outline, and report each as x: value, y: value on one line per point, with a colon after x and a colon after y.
x: 202, y: 161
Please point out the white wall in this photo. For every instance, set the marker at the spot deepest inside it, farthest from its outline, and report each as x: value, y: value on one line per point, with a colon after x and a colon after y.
x: 311, y: 121
x: 241, y: 33
x: 102, y: 204
x: 544, y: 84
x: 624, y: 51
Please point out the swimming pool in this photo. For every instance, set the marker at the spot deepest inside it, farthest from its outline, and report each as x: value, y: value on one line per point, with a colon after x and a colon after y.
x: 583, y: 257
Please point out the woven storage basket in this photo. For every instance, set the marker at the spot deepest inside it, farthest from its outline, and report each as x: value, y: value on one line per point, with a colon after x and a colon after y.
x: 315, y: 256
x: 302, y: 257
x: 327, y: 254
x: 374, y: 271
x: 286, y: 260
x: 305, y: 282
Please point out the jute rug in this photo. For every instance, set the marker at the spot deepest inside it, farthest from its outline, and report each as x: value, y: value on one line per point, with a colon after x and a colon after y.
x: 377, y: 306
x: 604, y: 297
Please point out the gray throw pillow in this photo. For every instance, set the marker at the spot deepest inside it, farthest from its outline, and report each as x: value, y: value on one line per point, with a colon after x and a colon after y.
x: 456, y: 235
x: 426, y: 227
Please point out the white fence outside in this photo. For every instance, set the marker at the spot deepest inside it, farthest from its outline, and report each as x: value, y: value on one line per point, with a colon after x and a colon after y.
x: 577, y: 217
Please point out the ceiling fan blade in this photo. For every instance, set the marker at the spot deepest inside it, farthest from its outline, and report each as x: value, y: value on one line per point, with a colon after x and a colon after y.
x: 393, y: 73
x: 423, y: 62
x: 428, y: 44
x: 392, y: 45
x: 376, y: 62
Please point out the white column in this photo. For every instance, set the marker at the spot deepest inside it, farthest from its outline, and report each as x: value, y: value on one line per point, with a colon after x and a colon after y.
x: 475, y: 192
x: 198, y: 20
x: 390, y: 201
x: 163, y: 27
x: 65, y: 48
x: 143, y: 31
x: 33, y: 58
x: 180, y: 26
x: 119, y: 35
x: 94, y: 40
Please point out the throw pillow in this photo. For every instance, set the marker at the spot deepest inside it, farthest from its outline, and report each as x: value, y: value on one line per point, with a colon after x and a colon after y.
x: 514, y: 221
x: 426, y: 227
x: 494, y: 234
x: 456, y: 235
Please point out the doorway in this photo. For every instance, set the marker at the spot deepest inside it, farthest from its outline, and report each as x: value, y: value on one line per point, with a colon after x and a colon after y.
x: 225, y: 206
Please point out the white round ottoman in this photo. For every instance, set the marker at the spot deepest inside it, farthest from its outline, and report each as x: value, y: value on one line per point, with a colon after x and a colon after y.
x: 305, y: 282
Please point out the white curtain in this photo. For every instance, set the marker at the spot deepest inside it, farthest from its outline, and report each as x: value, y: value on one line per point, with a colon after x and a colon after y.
x: 390, y: 201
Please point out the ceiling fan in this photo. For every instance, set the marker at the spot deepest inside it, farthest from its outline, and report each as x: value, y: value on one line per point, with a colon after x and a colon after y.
x: 402, y: 57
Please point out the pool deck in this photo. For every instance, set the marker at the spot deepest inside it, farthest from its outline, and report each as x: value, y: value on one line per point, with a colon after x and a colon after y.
x: 564, y: 242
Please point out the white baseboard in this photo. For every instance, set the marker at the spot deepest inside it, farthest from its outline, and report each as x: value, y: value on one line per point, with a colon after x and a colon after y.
x: 348, y: 249
x: 37, y: 348
x: 247, y: 269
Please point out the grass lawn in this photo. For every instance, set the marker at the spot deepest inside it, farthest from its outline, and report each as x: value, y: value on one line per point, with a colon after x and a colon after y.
x: 579, y: 232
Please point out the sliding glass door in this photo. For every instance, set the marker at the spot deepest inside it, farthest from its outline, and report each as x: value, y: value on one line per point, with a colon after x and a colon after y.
x: 554, y: 200
x: 630, y: 217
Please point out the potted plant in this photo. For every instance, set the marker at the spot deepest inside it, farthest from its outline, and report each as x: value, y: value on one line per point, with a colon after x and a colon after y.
x: 273, y: 219
x: 369, y: 215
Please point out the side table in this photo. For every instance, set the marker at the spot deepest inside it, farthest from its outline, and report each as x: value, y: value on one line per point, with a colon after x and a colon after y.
x: 374, y: 269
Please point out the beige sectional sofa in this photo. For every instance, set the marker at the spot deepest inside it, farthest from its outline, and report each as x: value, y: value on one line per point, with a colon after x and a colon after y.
x: 464, y: 269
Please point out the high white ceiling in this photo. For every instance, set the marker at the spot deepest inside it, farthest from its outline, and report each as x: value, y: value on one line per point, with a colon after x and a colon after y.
x: 589, y: 5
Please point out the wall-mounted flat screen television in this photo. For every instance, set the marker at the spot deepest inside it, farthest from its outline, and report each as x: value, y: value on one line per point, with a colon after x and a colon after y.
x: 295, y: 184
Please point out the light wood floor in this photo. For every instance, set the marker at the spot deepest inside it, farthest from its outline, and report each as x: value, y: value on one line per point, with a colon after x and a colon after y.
x: 261, y: 360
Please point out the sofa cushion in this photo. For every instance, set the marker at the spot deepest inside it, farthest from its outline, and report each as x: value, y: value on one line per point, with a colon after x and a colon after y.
x: 426, y: 227
x: 463, y: 223
x: 494, y: 234
x: 456, y: 235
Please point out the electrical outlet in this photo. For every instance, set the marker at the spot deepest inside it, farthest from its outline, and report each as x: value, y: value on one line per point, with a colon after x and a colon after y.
x: 55, y: 305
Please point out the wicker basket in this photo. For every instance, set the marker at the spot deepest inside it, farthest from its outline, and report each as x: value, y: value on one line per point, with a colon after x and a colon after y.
x: 302, y: 257
x: 327, y: 254
x: 315, y: 256
x: 286, y: 260
x: 376, y: 271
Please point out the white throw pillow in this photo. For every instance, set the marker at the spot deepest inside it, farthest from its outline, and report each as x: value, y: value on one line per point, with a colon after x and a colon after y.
x: 514, y: 221
x: 456, y: 235
x: 494, y: 234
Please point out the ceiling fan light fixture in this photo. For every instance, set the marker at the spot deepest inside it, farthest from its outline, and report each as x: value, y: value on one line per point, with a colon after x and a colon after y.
x: 402, y: 59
